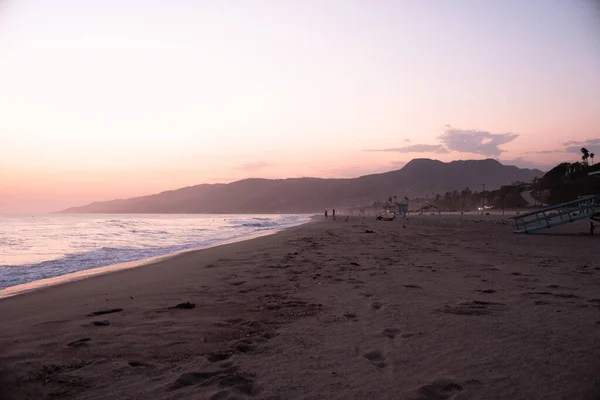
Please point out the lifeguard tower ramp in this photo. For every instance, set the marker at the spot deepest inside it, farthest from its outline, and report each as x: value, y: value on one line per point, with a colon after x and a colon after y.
x: 582, y: 208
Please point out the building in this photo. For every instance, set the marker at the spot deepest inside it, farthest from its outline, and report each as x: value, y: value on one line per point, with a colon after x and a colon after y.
x: 402, y: 208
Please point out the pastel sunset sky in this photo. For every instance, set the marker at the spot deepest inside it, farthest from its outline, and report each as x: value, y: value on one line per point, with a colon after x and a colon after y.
x: 118, y: 98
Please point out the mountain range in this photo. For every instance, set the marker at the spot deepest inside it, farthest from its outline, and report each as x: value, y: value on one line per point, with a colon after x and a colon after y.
x: 419, y: 177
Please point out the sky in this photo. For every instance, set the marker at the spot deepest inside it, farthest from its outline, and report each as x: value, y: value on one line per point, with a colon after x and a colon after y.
x: 120, y: 98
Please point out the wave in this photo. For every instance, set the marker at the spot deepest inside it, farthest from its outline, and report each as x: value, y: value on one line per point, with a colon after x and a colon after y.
x: 148, y: 232
x: 101, y: 257
x: 61, y: 247
x: 260, y: 224
x: 120, y: 223
x: 104, y: 256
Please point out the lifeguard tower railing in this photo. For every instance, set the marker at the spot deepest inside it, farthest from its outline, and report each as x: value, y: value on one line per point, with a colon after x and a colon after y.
x: 582, y: 208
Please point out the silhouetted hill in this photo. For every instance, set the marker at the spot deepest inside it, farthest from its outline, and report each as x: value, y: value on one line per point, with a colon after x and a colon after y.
x: 298, y: 195
x: 566, y: 182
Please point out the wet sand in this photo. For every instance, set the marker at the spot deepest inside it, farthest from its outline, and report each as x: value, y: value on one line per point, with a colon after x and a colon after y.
x: 429, y: 308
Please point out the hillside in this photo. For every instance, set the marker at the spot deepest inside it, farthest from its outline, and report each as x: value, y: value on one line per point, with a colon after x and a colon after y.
x: 298, y: 195
x: 566, y: 182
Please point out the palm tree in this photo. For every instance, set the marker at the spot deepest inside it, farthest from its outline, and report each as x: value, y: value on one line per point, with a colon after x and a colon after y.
x: 585, y: 155
x: 592, y: 155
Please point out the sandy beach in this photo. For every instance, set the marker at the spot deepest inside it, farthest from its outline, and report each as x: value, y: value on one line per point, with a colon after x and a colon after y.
x: 434, y: 307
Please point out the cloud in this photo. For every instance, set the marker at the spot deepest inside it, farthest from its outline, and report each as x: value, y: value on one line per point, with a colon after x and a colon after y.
x: 545, y: 151
x: 475, y: 141
x: 572, y: 146
x: 462, y: 141
x: 575, y: 147
x: 255, y: 166
x: 416, y: 148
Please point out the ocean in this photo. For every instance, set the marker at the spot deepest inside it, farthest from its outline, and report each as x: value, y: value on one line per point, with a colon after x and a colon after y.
x: 46, y: 246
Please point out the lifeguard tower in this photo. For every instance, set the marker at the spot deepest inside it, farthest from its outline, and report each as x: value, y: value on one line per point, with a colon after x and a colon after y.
x: 402, y: 208
x: 585, y: 207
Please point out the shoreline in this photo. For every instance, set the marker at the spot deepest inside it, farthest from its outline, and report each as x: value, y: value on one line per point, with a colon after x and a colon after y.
x: 23, y: 288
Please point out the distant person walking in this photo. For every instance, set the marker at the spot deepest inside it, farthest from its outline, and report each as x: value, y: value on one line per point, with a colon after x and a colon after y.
x: 333, y: 213
x: 325, y: 214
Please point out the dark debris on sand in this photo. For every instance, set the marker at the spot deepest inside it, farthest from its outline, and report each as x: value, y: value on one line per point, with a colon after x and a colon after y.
x: 184, y: 306
x: 102, y: 312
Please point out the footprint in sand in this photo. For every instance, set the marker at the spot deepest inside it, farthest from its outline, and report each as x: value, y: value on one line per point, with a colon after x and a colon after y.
x: 229, y: 380
x: 474, y: 307
x: 544, y: 293
x: 407, y: 335
x: 216, y: 357
x: 79, y: 343
x: 244, y: 346
x: 136, y: 364
x: 269, y: 335
x: 192, y: 378
x: 439, y: 390
x: 443, y: 389
x: 222, y: 395
x: 226, y: 365
x: 240, y: 382
x: 566, y: 295
x: 228, y: 322
x: 390, y: 332
x: 376, y: 357
x: 351, y: 316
